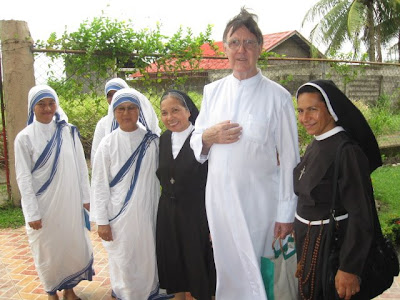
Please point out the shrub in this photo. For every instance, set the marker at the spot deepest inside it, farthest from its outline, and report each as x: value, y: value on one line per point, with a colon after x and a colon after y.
x: 304, y: 137
x: 84, y: 113
x: 380, y: 116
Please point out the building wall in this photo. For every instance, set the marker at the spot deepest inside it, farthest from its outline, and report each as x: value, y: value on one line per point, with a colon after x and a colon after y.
x: 291, y: 49
x: 369, y: 83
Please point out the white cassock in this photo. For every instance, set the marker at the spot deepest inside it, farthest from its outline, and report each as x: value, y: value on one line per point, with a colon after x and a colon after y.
x: 132, y: 258
x: 61, y: 248
x: 247, y: 189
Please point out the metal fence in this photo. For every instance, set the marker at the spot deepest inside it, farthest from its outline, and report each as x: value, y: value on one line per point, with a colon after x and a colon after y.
x: 375, y: 87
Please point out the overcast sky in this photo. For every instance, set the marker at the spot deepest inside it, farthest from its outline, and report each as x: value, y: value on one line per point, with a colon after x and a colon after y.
x: 45, y: 16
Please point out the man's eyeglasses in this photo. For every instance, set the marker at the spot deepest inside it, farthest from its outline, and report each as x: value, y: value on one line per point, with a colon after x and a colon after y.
x: 247, y: 44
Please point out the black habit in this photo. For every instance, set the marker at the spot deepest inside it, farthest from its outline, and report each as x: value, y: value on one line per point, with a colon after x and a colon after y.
x: 184, y: 252
x: 313, y: 185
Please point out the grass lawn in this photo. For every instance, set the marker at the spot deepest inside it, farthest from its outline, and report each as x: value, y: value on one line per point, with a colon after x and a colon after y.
x: 11, y: 217
x: 386, y: 182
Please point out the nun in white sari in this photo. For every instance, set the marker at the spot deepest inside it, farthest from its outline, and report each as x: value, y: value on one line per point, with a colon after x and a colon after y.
x: 111, y: 87
x: 125, y: 193
x: 53, y: 180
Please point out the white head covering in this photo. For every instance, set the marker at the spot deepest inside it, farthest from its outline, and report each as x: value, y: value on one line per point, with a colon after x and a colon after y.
x: 38, y: 93
x: 147, y: 116
x: 324, y: 95
x: 115, y: 84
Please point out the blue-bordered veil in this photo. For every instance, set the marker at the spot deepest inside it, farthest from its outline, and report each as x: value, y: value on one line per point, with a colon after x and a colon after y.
x: 147, y: 118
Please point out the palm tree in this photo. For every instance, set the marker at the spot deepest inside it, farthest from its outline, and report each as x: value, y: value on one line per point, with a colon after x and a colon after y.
x: 354, y: 21
x: 389, y: 13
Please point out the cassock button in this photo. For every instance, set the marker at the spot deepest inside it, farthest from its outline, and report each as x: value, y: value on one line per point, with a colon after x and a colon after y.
x: 172, y: 181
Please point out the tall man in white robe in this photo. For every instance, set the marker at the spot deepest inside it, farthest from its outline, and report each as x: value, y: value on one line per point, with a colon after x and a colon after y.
x: 247, y: 131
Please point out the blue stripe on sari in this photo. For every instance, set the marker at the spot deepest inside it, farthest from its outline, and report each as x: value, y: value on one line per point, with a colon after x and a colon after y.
x: 114, y: 87
x: 126, y: 98
x: 48, y: 150
x: 71, y: 281
x: 114, y: 125
x: 137, y: 154
x: 54, y: 143
x: 154, y: 294
x: 126, y: 167
x: 143, y: 120
x: 73, y: 130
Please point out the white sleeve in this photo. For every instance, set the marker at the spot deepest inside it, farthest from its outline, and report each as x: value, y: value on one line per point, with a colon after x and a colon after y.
x: 101, y: 192
x: 23, y: 165
x: 98, y: 135
x: 196, y: 140
x: 82, y: 170
x: 287, y: 146
x: 155, y: 187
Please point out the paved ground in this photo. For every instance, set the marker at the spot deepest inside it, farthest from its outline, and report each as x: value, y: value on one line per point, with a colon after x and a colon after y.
x: 19, y: 280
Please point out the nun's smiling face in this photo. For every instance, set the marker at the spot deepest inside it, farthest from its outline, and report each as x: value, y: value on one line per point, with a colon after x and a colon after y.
x: 313, y: 114
x: 127, y: 115
x: 174, y: 115
x: 44, y: 110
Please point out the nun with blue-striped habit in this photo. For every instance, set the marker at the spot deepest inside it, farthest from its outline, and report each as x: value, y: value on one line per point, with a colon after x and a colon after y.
x: 52, y: 177
x: 111, y: 87
x: 125, y: 193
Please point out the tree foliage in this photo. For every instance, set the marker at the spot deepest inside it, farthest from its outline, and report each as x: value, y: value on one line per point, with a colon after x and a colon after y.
x: 110, y: 45
x: 389, y: 12
x: 347, y: 72
x: 370, y: 22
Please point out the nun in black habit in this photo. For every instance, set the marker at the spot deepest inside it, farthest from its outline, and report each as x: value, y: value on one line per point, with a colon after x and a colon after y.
x: 328, y: 115
x: 184, y: 252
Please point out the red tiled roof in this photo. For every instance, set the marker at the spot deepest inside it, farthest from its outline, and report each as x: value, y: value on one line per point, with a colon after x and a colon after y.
x: 274, y: 39
x: 270, y: 41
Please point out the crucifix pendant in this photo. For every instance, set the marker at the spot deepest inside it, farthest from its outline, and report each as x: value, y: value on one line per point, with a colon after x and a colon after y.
x: 172, y: 180
x: 302, y: 172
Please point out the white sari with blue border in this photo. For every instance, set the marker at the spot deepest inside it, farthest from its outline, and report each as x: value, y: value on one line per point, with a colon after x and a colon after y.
x: 125, y: 192
x: 53, y: 180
